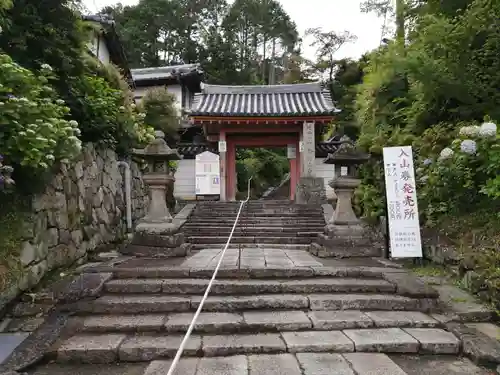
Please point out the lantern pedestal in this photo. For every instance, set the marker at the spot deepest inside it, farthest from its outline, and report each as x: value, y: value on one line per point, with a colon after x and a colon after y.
x: 346, y: 235
x: 157, y: 234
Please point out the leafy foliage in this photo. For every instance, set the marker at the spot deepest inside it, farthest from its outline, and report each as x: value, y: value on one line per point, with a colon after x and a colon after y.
x: 422, y: 93
x: 95, y: 97
x: 34, y: 131
x: 160, y: 111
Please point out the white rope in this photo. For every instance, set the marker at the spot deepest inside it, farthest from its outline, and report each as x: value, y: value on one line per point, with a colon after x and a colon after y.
x: 207, y: 291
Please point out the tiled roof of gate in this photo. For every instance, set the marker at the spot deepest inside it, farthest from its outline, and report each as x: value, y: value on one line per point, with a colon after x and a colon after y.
x: 190, y: 150
x: 305, y: 99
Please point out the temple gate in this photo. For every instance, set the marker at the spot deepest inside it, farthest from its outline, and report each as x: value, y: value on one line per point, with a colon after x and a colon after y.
x: 264, y: 116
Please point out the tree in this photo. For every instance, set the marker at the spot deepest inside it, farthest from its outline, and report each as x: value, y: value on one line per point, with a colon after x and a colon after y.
x: 327, y: 44
x: 160, y: 111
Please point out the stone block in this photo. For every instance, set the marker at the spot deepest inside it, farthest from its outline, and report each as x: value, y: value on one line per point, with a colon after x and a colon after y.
x: 435, y: 341
x: 277, y: 320
x: 410, y: 285
x: 24, y: 309
x: 361, y: 302
x: 337, y: 285
x: 152, y: 240
x: 481, y: 348
x: 136, y: 304
x: 489, y: 329
x: 373, y: 364
x: 236, y: 365
x: 29, y: 324
x: 148, y: 348
x: 388, y: 319
x: 28, y: 253
x: 90, y: 349
x: 207, y: 322
x: 154, y: 252
x: 134, y: 286
x: 86, y: 285
x: 317, y: 341
x: 231, y: 303
x: 123, y: 323
x: 186, y: 366
x: 324, y: 364
x: 223, y: 345
x: 326, y: 320
x: 310, y: 190
x: 281, y: 364
x: 389, y: 340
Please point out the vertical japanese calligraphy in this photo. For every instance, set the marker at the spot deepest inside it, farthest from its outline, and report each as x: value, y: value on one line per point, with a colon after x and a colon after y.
x: 401, y: 193
x: 309, y: 149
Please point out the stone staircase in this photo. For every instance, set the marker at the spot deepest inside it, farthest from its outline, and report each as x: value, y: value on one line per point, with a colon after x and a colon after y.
x: 269, y: 312
x: 274, y: 308
x: 267, y: 223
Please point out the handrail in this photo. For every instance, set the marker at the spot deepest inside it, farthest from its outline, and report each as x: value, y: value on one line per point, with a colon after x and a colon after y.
x: 207, y: 291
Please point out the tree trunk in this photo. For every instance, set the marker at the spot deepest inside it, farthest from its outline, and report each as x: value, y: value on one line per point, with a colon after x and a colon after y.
x: 400, y: 21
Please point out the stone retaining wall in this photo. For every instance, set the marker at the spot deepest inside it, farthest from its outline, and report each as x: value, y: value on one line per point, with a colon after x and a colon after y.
x: 82, y: 209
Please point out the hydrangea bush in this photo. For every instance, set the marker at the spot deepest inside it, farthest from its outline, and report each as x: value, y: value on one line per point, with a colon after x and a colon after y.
x: 5, y: 175
x: 34, y: 129
x: 465, y: 177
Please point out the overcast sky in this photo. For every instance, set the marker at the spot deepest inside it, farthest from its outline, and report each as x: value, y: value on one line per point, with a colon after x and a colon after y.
x: 337, y: 15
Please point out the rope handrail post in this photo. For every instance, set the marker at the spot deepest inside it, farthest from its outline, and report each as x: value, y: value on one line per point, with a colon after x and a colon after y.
x: 207, y: 291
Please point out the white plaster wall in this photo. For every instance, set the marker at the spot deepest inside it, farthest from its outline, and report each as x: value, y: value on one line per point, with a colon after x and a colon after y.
x: 103, y: 52
x: 99, y: 48
x: 185, y: 181
x: 327, y: 172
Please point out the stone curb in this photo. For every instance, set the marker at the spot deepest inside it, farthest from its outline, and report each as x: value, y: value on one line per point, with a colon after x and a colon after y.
x: 38, y: 343
x: 482, y: 349
x: 409, y: 285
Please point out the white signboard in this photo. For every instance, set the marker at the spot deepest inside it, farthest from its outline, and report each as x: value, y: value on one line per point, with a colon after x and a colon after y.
x: 222, y: 146
x: 401, y: 193
x: 291, y: 151
x: 207, y: 174
x: 301, y: 146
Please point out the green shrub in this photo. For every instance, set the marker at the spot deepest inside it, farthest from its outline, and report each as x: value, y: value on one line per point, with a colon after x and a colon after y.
x: 464, y: 177
x: 34, y: 130
x: 160, y: 111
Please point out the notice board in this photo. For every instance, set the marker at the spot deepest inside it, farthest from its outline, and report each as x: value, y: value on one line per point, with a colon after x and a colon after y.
x: 207, y: 174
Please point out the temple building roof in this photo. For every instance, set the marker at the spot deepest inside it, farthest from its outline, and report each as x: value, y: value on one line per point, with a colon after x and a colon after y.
x: 296, y: 100
x: 163, y: 74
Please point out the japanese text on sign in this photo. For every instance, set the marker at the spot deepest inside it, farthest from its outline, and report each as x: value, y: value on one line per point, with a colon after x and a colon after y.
x: 401, y: 193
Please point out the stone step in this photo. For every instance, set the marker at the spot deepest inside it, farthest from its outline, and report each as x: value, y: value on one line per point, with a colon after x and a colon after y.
x: 158, y: 303
x: 249, y: 287
x: 263, y: 216
x: 261, y: 211
x: 255, y: 321
x: 280, y: 364
x: 108, y: 348
x: 277, y: 226
x: 256, y: 222
x: 242, y: 232
x: 255, y: 228
x: 253, y: 246
x: 236, y: 273
x: 250, y: 239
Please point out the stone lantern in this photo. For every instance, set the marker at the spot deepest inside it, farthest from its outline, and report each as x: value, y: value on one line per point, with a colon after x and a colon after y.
x: 345, y: 234
x: 157, y: 235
